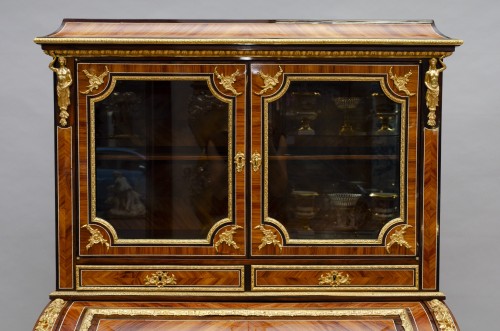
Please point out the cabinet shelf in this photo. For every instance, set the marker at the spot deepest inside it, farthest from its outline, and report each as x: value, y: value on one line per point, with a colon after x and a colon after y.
x: 332, y: 157
x: 163, y: 158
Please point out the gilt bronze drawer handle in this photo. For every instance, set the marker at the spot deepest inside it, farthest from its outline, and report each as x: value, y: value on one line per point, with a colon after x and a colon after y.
x: 335, y: 278
x: 160, y: 279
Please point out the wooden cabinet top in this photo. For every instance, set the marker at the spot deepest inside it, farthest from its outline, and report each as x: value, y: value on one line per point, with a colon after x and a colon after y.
x: 260, y: 32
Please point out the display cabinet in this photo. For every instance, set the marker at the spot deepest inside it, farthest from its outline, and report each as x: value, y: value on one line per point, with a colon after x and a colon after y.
x: 273, y: 175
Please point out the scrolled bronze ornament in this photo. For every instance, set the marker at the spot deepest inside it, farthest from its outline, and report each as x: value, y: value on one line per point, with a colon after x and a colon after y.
x: 228, y: 81
x: 95, y: 238
x: 269, y: 238
x: 401, y: 81
x: 227, y: 238
x: 269, y: 81
x: 94, y: 80
x: 398, y: 237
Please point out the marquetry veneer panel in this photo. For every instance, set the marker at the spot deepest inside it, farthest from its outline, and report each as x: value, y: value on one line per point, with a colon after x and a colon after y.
x: 335, y: 278
x: 160, y: 278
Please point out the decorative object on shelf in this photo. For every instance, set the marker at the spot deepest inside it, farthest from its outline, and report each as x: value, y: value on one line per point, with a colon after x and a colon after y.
x: 442, y: 315
x: 227, y: 238
x: 346, y: 105
x: 228, y: 81
x: 160, y: 279
x: 64, y: 81
x: 94, y: 80
x: 432, y: 94
x: 95, y: 237
x: 386, y: 111
x: 49, y: 317
x: 239, y: 161
x: 384, y: 205
x: 304, y: 208
x: 306, y: 107
x: 398, y: 237
x: 269, y: 238
x: 269, y: 81
x: 335, y: 278
x: 401, y: 81
x: 256, y: 161
x: 344, y: 205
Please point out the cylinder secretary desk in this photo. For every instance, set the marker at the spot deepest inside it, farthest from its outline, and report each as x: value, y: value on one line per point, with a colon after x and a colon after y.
x: 250, y: 175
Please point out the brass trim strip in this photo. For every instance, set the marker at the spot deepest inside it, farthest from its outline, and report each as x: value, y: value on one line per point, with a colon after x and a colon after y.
x: 289, y: 78
x: 248, y: 53
x: 175, y: 290
x: 402, y: 313
x: 253, y: 41
x: 167, y: 77
x: 338, y: 289
x: 272, y: 294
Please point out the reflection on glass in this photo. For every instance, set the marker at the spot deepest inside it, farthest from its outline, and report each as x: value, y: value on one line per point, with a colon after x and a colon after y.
x: 161, y: 159
x: 334, y: 160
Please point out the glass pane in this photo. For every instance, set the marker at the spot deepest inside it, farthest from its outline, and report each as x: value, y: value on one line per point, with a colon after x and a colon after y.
x: 161, y: 152
x: 334, y: 159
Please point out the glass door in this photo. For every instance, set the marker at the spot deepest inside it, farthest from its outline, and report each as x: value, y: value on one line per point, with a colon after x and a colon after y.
x: 161, y: 176
x: 336, y: 162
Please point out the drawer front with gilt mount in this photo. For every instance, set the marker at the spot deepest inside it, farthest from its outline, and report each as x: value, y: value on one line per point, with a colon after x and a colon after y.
x: 160, y: 278
x: 335, y: 278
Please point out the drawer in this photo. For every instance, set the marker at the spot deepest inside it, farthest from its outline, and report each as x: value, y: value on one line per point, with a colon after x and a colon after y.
x: 335, y: 278
x: 160, y: 278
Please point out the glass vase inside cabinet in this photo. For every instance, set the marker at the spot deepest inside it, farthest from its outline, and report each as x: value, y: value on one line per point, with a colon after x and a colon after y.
x: 335, y: 167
